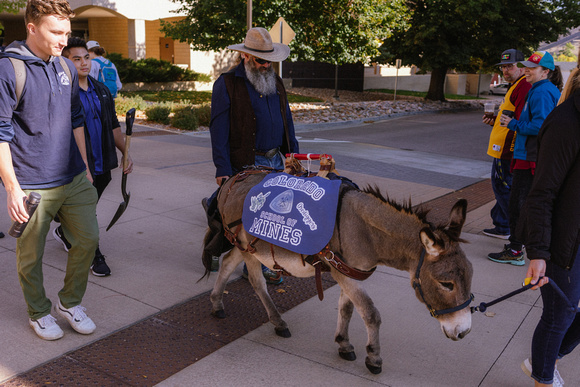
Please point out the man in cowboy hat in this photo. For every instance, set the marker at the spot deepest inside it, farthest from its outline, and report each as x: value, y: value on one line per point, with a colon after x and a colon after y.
x: 251, y: 122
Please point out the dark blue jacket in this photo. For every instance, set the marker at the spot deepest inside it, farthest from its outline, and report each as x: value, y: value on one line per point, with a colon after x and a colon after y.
x: 40, y: 128
x: 109, y: 122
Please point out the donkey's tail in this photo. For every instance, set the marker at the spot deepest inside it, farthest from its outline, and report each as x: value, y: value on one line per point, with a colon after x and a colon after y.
x: 206, y: 255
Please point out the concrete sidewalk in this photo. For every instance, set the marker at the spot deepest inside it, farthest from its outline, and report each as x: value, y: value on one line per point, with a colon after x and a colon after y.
x: 154, y: 253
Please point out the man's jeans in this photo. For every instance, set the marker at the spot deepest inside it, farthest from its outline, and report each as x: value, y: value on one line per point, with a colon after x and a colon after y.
x: 75, y: 204
x: 275, y: 162
x: 501, y: 182
x: 558, y: 332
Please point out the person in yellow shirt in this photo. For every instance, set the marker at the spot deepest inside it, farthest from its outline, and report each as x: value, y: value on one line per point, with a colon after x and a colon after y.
x: 501, y: 140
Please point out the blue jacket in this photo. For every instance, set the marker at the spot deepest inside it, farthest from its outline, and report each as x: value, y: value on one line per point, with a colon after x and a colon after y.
x: 541, y: 100
x: 40, y: 128
x: 109, y: 122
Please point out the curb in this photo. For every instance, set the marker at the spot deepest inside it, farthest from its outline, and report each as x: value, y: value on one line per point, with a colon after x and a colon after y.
x: 301, y: 128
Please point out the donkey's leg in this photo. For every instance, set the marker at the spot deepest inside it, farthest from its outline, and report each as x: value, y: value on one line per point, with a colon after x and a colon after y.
x: 371, y: 317
x: 258, y: 282
x: 230, y: 261
x: 345, y: 308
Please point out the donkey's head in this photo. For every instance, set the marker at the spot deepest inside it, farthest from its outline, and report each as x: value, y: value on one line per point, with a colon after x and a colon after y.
x: 443, y: 276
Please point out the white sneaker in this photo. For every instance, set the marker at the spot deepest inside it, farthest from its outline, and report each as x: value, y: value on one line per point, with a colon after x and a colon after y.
x: 558, y: 381
x: 46, y: 328
x: 527, y: 368
x: 77, y: 318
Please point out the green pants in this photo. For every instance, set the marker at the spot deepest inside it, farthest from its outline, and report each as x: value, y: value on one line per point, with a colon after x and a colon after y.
x: 75, y: 204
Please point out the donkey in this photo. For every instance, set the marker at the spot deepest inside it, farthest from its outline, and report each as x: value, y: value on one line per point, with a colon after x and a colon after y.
x: 370, y: 230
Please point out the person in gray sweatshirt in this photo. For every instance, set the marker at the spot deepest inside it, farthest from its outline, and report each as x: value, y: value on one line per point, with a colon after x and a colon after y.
x: 42, y: 149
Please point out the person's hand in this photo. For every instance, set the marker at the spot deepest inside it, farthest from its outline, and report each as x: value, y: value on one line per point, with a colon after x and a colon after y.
x: 504, y: 120
x: 536, y: 270
x: 221, y: 179
x: 15, y: 204
x: 89, y: 176
x: 129, y: 168
x: 487, y: 120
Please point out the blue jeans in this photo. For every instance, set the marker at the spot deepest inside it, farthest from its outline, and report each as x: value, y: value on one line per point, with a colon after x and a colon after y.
x: 275, y: 162
x: 558, y: 331
x: 501, y: 182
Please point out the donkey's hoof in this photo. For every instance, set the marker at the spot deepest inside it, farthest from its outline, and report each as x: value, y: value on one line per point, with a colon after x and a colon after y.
x: 374, y: 369
x: 283, y: 332
x: 350, y: 356
x: 219, y: 314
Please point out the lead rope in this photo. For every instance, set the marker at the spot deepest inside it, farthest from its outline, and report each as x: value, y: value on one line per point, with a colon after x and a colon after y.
x: 484, y: 305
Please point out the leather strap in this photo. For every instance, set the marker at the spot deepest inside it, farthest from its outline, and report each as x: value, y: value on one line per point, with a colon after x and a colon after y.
x: 334, y: 259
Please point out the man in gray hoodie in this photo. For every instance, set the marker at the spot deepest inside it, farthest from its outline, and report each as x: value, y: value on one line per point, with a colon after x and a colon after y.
x: 42, y: 149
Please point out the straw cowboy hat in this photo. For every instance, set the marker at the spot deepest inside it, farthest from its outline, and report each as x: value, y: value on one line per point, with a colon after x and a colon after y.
x: 258, y: 43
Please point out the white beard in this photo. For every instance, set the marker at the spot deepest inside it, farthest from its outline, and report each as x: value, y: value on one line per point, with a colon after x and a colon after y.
x: 264, y: 82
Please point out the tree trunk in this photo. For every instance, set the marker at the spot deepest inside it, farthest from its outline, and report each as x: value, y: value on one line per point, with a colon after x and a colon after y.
x: 437, y: 84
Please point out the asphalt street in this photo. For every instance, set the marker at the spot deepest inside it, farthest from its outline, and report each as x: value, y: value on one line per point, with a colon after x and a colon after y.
x: 446, y: 150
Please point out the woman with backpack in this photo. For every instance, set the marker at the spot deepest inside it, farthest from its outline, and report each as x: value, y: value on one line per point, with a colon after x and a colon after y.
x: 102, y: 69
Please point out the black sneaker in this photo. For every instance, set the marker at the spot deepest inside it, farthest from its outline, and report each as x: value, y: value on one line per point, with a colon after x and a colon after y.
x: 493, y: 232
x: 59, y: 236
x: 99, y: 266
x: 507, y: 255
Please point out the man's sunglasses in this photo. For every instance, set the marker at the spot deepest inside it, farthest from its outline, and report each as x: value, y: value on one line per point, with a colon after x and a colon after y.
x: 262, y: 61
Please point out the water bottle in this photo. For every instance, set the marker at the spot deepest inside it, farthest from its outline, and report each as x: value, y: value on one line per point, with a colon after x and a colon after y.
x: 31, y: 203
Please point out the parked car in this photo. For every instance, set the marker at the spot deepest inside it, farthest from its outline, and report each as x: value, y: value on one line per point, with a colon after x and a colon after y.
x: 500, y: 89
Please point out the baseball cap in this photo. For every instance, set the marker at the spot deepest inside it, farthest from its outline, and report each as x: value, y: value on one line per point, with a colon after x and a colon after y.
x: 511, y: 56
x: 92, y: 44
x: 539, y: 58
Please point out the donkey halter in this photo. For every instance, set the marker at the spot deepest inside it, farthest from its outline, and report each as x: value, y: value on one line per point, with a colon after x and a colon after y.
x: 417, y: 285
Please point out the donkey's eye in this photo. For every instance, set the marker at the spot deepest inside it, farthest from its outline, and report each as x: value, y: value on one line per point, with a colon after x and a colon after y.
x: 447, y: 285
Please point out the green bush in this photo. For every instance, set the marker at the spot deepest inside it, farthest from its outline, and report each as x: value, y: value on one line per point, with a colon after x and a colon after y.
x: 203, y: 113
x: 158, y: 113
x: 185, y: 118
x: 151, y: 70
x: 123, y: 104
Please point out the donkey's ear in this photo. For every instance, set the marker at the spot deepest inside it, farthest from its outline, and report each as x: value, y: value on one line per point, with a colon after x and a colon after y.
x: 432, y: 245
x: 457, y: 218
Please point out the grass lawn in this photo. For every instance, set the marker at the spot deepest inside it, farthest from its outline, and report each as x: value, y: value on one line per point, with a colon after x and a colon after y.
x: 194, y: 97
x: 423, y: 94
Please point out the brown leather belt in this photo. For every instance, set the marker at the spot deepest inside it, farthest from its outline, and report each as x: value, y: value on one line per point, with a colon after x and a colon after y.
x: 270, y: 154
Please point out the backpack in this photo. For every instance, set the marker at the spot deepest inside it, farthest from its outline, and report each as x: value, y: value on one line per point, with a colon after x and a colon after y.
x: 20, y: 74
x: 108, y: 75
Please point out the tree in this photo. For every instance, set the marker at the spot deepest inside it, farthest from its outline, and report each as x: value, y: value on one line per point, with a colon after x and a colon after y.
x: 11, y: 6
x: 567, y: 54
x: 461, y: 34
x: 330, y: 31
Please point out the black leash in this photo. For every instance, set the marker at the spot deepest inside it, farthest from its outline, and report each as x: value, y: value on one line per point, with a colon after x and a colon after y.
x: 484, y: 305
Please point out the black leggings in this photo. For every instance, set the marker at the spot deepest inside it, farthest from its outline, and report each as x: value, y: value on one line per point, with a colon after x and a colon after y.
x: 521, y: 185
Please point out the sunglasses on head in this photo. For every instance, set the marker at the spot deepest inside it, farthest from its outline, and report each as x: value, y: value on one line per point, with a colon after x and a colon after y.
x: 262, y: 61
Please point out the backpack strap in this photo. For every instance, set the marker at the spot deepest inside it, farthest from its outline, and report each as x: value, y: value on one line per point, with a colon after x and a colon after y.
x: 20, y: 74
x: 102, y: 63
x: 66, y: 68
